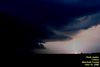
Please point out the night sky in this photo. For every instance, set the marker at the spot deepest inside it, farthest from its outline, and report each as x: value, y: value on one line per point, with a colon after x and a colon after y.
x: 30, y: 23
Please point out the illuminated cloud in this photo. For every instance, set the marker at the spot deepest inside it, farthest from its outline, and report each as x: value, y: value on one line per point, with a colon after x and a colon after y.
x: 87, y: 41
x: 67, y: 31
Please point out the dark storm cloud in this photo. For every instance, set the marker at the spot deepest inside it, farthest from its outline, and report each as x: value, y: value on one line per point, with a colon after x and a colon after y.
x: 49, y: 19
x: 77, y: 24
x: 66, y: 19
x: 84, y: 22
